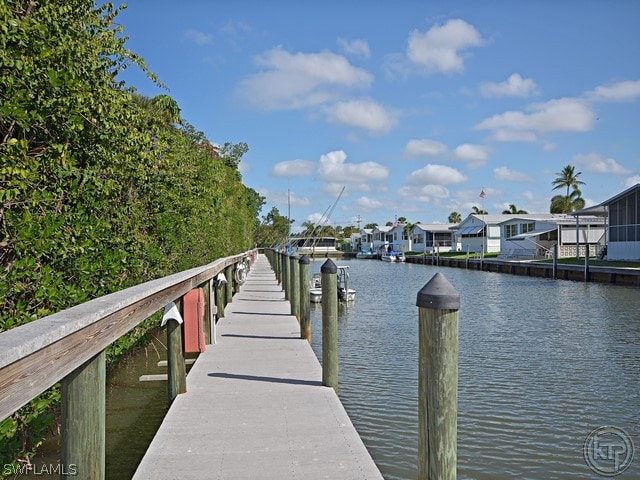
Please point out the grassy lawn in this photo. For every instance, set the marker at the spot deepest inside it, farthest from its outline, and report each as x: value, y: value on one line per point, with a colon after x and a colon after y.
x: 596, y: 263
x: 561, y: 261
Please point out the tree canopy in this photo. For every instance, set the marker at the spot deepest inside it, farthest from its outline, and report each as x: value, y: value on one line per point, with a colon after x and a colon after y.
x: 100, y: 188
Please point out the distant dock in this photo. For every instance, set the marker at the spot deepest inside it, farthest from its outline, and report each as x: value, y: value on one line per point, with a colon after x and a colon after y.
x: 255, y: 407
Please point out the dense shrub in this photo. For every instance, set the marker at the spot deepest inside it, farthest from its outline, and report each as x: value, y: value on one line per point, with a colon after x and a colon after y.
x: 100, y: 188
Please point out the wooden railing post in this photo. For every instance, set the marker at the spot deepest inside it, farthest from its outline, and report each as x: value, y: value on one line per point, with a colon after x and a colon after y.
x: 220, y: 294
x: 305, y: 300
x: 285, y: 275
x: 295, y: 286
x: 329, y: 273
x: 83, y: 420
x: 206, y: 289
x: 176, y: 370
x: 228, y: 273
x: 438, y: 308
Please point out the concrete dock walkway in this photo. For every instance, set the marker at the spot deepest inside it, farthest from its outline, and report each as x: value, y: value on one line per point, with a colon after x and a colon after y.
x: 255, y: 407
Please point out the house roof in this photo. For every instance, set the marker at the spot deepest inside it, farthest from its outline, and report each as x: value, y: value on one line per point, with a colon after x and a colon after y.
x: 434, y: 227
x: 532, y: 233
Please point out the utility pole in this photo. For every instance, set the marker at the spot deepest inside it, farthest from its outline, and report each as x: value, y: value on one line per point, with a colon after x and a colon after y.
x: 358, y: 221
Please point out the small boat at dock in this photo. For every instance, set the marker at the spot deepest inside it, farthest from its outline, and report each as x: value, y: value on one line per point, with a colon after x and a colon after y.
x: 345, y: 294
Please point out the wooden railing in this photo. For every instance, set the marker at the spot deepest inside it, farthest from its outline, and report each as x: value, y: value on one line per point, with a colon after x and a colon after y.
x: 68, y: 347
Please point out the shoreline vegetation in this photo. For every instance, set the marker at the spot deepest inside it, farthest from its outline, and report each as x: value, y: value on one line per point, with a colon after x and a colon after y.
x: 101, y: 188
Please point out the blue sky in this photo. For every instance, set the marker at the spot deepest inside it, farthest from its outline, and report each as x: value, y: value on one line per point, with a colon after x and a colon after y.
x: 414, y: 107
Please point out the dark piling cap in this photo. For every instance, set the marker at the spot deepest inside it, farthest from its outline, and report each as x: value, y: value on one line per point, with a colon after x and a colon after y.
x: 438, y: 294
x: 304, y: 260
x: 294, y: 257
x: 328, y: 267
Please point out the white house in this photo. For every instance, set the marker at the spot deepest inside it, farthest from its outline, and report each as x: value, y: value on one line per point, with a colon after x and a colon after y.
x: 427, y: 237
x: 478, y: 233
x: 533, y: 235
x: 622, y: 212
x: 381, y: 237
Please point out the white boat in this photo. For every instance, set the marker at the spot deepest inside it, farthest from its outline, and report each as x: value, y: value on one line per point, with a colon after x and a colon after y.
x: 400, y: 258
x: 388, y: 257
x: 366, y: 253
x: 345, y: 293
x: 315, y: 292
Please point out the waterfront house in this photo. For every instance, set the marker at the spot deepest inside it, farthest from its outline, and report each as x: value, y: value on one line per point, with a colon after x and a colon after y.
x: 622, y: 214
x: 400, y: 239
x: 478, y: 233
x: 533, y: 235
x: 426, y: 238
x: 382, y: 237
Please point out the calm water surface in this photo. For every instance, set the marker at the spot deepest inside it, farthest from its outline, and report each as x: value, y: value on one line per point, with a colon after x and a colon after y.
x: 541, y: 364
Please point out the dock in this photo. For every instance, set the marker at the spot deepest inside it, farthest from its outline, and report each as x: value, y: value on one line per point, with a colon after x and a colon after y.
x: 255, y: 407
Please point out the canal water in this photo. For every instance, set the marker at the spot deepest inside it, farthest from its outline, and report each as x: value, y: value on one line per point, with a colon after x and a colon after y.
x: 542, y: 363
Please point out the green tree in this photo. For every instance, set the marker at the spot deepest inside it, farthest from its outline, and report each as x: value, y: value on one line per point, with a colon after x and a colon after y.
x: 455, y: 217
x: 513, y: 210
x: 478, y: 211
x: 571, y: 201
x: 370, y: 226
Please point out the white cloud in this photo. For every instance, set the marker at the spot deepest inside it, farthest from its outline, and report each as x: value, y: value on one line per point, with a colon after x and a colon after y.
x: 439, y: 48
x: 424, y: 146
x: 363, y: 113
x: 300, y: 80
x: 561, y: 115
x: 199, y: 38
x: 597, y: 163
x: 618, y: 92
x: 631, y: 181
x: 505, y: 174
x: 426, y: 193
x: 282, y: 199
x: 475, y: 155
x: 356, y: 48
x: 333, y: 168
x: 368, y: 204
x: 293, y: 168
x: 436, y: 175
x: 514, y: 86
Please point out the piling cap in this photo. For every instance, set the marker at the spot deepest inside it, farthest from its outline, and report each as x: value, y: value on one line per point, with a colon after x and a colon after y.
x: 328, y: 267
x: 294, y: 257
x: 304, y: 260
x: 438, y: 294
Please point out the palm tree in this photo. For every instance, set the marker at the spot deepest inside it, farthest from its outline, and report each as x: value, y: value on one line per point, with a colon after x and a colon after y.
x: 513, y: 210
x: 568, y: 178
x: 567, y: 204
x: 478, y: 211
x: 455, y: 217
x: 570, y: 201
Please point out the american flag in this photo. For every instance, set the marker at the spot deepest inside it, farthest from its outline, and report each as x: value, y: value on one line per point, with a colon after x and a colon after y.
x: 482, y: 194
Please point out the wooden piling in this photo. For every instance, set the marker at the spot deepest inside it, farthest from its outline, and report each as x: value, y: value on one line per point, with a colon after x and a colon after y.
x: 305, y: 299
x: 83, y: 420
x: 295, y: 286
x: 554, y: 256
x: 438, y: 309
x: 206, y: 289
x: 228, y: 273
x: 586, y: 264
x: 176, y: 370
x: 286, y: 270
x: 329, y: 324
x: 220, y: 296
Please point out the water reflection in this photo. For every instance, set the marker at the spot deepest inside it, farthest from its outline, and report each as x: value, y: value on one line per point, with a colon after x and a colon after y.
x: 541, y: 364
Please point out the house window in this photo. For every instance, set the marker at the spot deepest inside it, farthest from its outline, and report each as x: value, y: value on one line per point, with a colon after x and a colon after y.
x: 528, y: 227
x: 510, y: 230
